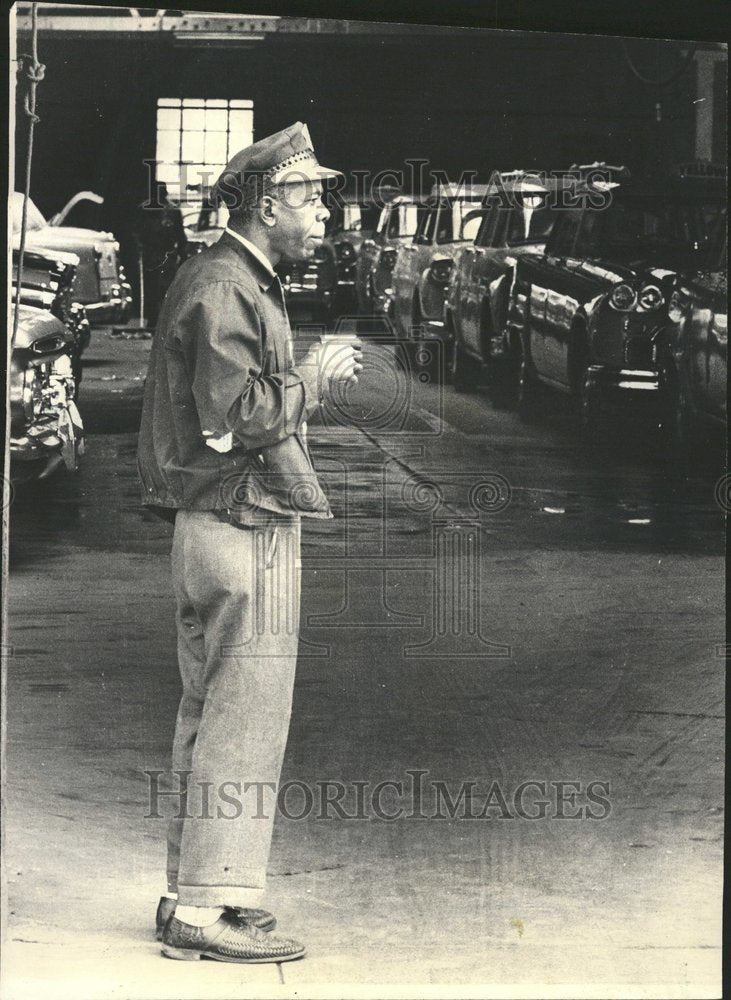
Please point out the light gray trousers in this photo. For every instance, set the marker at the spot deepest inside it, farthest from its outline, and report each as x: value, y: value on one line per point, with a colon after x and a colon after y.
x: 238, y: 596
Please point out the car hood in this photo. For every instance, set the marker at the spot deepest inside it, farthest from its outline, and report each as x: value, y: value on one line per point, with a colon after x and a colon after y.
x: 40, y: 256
x: 636, y: 273
x: 449, y: 251
x: 66, y: 238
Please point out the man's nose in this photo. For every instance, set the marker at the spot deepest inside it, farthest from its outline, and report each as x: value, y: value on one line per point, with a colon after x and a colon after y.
x: 323, y: 213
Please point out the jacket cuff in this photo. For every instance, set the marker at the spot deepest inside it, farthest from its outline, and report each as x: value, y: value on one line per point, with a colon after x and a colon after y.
x: 308, y: 377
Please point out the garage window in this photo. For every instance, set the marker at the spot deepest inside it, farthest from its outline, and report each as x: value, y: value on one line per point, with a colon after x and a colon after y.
x: 196, y: 137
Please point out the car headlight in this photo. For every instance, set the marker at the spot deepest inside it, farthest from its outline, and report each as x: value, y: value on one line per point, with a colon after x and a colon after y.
x: 388, y: 258
x: 623, y: 298
x: 650, y: 297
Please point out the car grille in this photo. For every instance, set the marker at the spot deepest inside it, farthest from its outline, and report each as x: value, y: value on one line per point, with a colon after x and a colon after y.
x: 638, y: 352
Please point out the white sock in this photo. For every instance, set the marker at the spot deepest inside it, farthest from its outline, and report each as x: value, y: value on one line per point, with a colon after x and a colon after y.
x: 198, y: 916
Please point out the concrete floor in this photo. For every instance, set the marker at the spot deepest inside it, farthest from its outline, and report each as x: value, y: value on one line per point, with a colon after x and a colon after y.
x: 601, y: 584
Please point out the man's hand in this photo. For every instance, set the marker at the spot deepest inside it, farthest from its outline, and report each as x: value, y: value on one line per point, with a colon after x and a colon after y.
x: 337, y: 359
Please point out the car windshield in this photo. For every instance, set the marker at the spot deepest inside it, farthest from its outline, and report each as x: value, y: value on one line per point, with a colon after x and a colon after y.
x: 451, y: 218
x: 531, y: 221
x: 664, y: 231
x: 360, y: 218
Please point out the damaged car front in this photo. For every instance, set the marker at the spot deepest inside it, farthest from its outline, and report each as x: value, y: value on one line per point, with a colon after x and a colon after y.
x: 100, y: 284
x: 46, y: 430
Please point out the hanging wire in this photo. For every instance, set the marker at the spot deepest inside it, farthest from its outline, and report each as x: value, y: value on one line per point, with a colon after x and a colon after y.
x: 664, y: 81
x: 33, y: 72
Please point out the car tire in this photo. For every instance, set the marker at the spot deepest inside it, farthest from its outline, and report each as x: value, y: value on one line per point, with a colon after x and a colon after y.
x: 462, y: 368
x: 509, y: 346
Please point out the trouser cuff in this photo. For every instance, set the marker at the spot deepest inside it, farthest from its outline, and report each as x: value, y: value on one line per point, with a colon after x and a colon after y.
x: 219, y: 895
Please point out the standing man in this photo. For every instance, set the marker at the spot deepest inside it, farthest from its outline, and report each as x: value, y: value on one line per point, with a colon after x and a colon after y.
x: 223, y: 445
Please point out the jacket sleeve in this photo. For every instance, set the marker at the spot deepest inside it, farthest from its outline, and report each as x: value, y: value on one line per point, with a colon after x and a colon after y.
x: 218, y: 328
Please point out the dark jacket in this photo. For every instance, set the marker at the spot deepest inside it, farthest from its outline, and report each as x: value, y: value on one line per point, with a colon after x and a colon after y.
x: 222, y: 362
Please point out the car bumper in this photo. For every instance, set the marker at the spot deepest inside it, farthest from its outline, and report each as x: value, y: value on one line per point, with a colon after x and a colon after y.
x: 435, y: 329
x: 602, y: 378
x: 116, y: 310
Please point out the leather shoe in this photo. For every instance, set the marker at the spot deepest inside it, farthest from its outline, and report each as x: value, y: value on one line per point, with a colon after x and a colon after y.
x: 228, y: 940
x: 262, y: 919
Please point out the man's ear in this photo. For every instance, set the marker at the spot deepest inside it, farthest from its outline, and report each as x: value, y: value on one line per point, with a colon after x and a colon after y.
x: 268, y: 210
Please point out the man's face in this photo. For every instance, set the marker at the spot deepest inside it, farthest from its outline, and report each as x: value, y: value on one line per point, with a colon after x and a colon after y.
x: 300, y: 220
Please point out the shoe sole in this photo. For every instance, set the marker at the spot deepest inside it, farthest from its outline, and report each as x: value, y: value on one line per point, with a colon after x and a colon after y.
x: 189, y: 955
x: 262, y: 927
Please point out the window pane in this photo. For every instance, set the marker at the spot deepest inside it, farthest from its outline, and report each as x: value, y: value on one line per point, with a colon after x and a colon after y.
x: 168, y: 118
x: 193, y: 102
x: 241, y: 124
x: 168, y: 172
x: 216, y: 120
x: 192, y: 147
x: 168, y: 102
x: 214, y: 102
x: 215, y: 147
x: 168, y: 146
x: 193, y: 118
x: 241, y: 104
x: 197, y: 175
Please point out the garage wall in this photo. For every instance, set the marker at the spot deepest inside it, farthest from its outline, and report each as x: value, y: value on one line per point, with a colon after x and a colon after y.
x: 479, y: 102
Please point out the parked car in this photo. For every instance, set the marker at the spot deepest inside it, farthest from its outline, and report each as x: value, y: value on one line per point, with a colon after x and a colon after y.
x: 100, y: 284
x: 698, y: 333
x: 396, y: 226
x: 592, y: 308
x: 46, y: 430
x: 352, y: 221
x: 310, y: 286
x: 48, y: 282
x: 423, y: 266
x: 517, y: 221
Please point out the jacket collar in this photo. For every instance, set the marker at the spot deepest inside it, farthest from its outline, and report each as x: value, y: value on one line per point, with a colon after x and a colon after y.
x: 264, y: 275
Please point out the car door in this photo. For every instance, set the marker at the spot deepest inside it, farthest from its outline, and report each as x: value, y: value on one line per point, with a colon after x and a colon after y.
x: 559, y: 287
x: 409, y: 266
x: 369, y: 252
x: 474, y: 272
